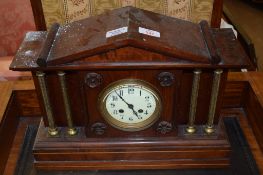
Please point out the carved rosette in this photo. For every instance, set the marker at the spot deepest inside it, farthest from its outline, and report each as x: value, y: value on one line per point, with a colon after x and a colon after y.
x: 166, y: 79
x: 98, y: 128
x: 93, y: 79
x: 164, y: 127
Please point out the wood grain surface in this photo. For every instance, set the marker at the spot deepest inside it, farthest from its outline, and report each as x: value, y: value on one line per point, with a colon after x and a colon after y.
x: 5, y: 93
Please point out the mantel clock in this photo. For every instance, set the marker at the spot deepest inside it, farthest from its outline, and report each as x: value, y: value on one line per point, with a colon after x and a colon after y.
x: 130, y: 89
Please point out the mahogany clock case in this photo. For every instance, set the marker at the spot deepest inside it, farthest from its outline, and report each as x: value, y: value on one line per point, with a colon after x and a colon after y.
x: 166, y: 57
x: 181, y: 48
x: 97, y: 141
x: 175, y: 99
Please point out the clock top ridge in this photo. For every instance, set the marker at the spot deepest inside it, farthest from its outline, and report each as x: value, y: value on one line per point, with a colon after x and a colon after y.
x: 132, y: 36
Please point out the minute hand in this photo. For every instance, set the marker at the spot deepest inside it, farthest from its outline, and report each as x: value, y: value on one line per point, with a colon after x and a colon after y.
x: 129, y: 105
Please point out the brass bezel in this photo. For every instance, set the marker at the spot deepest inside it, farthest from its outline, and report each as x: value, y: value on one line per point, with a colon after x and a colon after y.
x: 130, y: 126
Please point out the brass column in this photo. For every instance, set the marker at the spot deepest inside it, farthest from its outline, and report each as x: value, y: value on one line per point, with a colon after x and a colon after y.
x: 209, y: 128
x: 52, y: 129
x: 194, y: 95
x: 71, y: 129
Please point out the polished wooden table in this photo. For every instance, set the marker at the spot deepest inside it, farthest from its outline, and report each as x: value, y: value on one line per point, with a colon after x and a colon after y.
x: 18, y: 101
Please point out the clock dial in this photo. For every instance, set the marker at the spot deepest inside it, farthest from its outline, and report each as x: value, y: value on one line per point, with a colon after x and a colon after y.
x: 130, y: 105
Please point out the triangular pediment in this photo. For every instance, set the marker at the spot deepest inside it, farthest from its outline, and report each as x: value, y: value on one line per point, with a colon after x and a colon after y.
x: 128, y: 37
x: 126, y: 27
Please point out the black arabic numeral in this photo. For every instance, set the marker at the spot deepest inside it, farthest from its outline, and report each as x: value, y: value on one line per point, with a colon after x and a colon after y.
x: 112, y: 105
x: 147, y: 98
x: 121, y: 92
x: 115, y: 112
x: 149, y: 105
x: 114, y: 98
x: 122, y: 117
x: 130, y: 90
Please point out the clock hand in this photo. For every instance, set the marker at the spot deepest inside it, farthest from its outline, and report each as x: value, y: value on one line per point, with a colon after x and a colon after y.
x: 123, y: 100
x: 130, y: 106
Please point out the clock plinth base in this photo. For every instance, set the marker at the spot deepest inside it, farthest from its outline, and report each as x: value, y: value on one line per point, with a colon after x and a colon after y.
x: 82, y: 153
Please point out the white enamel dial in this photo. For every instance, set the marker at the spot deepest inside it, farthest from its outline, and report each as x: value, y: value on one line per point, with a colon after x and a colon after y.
x: 130, y: 105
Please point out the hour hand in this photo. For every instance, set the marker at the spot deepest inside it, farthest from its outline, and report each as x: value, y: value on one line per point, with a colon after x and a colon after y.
x: 135, y: 113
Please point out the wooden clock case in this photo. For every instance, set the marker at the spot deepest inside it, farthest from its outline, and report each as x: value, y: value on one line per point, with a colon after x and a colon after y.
x: 92, y: 53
